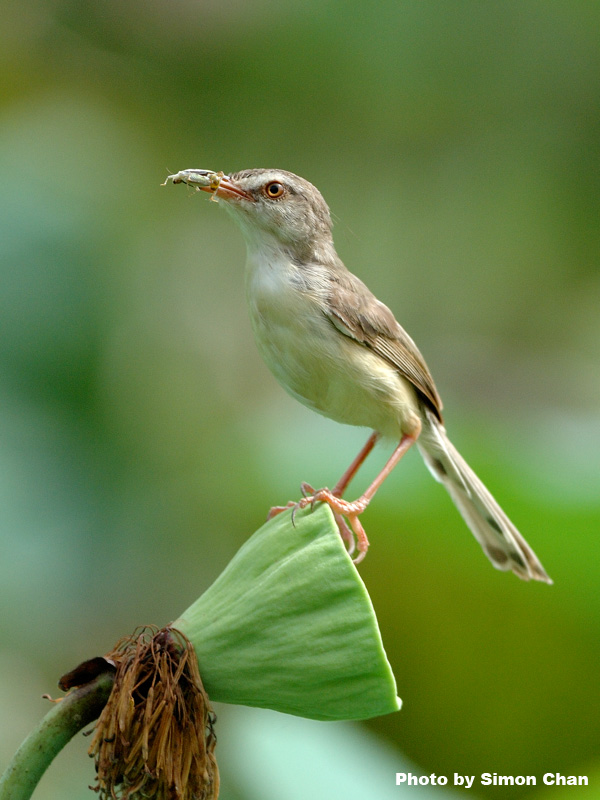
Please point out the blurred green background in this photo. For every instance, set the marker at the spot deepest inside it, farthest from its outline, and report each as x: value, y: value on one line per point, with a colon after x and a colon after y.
x: 142, y: 438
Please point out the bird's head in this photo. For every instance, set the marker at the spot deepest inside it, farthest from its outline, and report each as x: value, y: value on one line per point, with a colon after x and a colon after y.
x: 272, y: 206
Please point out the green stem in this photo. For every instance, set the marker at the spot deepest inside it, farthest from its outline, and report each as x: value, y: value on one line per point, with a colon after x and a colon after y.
x: 76, y: 710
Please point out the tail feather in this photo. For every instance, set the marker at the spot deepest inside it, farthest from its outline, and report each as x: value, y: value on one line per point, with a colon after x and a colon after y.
x: 500, y: 540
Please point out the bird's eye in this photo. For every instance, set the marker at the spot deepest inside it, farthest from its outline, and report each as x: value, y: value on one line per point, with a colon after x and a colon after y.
x: 274, y: 189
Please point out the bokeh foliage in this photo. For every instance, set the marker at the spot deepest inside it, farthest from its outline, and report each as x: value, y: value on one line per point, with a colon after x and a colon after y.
x: 142, y: 437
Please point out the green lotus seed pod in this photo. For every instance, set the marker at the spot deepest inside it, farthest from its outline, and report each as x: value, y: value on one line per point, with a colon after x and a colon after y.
x: 289, y: 625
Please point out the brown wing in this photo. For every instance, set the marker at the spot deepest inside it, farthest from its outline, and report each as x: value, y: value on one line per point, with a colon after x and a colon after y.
x: 357, y: 313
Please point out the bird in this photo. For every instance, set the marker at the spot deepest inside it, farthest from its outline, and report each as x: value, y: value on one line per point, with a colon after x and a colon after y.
x: 340, y: 351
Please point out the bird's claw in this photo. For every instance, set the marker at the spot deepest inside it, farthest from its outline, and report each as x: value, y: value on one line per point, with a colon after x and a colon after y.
x: 275, y: 510
x: 347, y: 509
x: 353, y: 535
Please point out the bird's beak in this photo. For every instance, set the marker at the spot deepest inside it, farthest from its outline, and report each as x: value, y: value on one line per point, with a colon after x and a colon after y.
x: 216, y: 183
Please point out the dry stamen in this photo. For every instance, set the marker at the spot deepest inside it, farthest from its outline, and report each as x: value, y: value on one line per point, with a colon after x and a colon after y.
x: 155, y: 736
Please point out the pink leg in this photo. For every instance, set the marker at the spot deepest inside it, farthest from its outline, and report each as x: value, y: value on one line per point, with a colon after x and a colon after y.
x: 340, y: 487
x: 343, y: 482
x: 352, y: 510
x: 406, y: 443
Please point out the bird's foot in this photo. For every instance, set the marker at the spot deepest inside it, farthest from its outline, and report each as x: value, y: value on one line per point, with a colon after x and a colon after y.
x: 333, y: 500
x: 275, y: 510
x: 353, y: 534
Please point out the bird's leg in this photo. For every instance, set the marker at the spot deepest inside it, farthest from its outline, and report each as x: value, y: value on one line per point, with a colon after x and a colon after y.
x: 351, y: 510
x: 339, y: 488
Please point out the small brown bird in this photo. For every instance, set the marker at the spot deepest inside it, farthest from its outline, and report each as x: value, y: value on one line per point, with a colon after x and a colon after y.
x: 338, y: 350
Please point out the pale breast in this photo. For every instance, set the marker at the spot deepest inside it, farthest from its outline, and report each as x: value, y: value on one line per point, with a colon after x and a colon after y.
x: 316, y: 363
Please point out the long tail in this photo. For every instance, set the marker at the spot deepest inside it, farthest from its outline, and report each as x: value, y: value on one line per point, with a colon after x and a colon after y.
x: 501, y: 541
